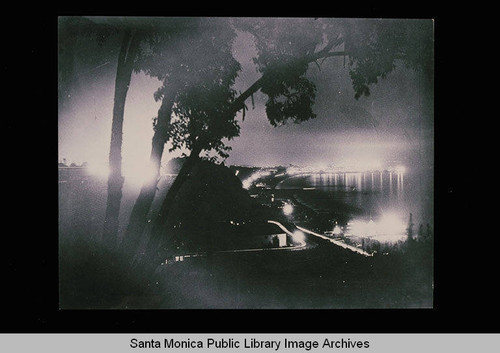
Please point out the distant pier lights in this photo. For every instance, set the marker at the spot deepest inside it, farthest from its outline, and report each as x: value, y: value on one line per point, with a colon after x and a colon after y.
x: 400, y: 172
x: 392, y: 180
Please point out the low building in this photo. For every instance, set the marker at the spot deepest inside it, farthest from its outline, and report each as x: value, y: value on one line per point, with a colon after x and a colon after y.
x: 238, y: 234
x: 277, y: 240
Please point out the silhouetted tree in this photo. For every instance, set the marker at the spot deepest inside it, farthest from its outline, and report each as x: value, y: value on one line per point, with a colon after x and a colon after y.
x: 197, y: 68
x: 136, y: 35
x: 284, y: 56
x: 420, y: 232
x: 286, y: 48
x: 126, y: 59
x: 135, y: 32
x: 201, y: 124
x: 377, y: 46
x: 78, y: 34
x: 409, y: 229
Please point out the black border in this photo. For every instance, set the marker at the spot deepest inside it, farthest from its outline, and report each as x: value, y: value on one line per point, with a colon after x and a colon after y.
x: 462, y: 295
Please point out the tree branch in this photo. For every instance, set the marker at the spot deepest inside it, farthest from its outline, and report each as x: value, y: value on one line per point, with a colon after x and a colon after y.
x: 322, y: 54
x: 240, y: 101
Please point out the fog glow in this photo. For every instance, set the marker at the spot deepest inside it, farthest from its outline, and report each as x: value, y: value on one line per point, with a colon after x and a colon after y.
x: 389, y: 228
x: 254, y: 177
x: 135, y: 174
x: 298, y: 236
x: 287, y: 209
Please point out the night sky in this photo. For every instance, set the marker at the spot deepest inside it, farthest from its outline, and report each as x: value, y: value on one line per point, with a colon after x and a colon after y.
x: 395, y: 123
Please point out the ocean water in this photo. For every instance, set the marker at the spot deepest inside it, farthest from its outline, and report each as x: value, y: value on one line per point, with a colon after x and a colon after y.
x: 365, y: 196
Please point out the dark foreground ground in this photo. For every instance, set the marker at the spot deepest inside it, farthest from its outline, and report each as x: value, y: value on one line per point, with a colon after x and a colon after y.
x: 322, y: 277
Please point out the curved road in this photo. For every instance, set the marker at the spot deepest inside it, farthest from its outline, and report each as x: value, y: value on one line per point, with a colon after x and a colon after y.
x: 302, y: 245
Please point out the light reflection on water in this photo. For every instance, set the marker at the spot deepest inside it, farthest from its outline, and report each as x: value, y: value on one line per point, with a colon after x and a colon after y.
x: 361, y: 181
x: 367, y: 195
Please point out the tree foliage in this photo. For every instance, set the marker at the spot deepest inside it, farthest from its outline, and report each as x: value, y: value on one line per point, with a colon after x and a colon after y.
x: 281, y: 53
x: 376, y: 47
x: 197, y: 61
x: 201, y: 119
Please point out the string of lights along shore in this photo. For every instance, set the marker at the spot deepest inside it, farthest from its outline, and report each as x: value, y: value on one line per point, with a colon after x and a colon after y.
x: 249, y: 343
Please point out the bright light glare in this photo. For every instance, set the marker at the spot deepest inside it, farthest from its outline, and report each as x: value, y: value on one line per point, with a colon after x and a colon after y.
x: 247, y: 183
x: 336, y: 230
x: 298, y: 236
x: 100, y: 170
x: 287, y: 209
x: 391, y: 224
x: 362, y: 228
x: 255, y: 176
x: 389, y: 228
x: 135, y: 176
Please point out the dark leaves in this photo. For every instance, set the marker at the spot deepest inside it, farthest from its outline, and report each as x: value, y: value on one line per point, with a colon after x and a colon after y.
x: 293, y: 100
x: 376, y: 46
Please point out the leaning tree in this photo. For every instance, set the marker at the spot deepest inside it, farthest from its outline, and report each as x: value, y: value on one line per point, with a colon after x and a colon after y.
x: 285, y: 50
x: 89, y: 40
x: 196, y: 69
x: 135, y: 34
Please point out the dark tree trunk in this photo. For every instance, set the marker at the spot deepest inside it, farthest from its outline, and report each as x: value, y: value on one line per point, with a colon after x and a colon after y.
x: 124, y: 70
x: 157, y: 245
x: 138, y: 217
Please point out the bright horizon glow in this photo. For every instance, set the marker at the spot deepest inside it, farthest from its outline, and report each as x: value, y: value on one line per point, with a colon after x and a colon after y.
x: 134, y: 176
x: 352, y: 166
x: 400, y: 169
x: 98, y: 169
x: 360, y: 165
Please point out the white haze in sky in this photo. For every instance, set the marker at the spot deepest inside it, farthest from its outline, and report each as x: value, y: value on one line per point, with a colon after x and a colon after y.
x: 391, y: 124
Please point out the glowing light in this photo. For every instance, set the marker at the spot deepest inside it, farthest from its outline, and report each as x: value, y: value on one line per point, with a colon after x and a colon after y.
x: 135, y: 175
x: 287, y: 209
x: 391, y: 224
x: 359, y: 164
x: 255, y: 176
x: 97, y: 169
x: 371, y: 228
x: 293, y: 170
x: 400, y: 169
x: 389, y: 228
x: 298, y: 236
x: 358, y: 228
x: 336, y: 230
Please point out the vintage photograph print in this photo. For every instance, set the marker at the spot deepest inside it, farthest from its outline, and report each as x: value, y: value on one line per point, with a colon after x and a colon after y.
x: 245, y: 163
